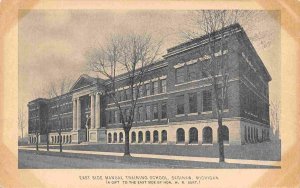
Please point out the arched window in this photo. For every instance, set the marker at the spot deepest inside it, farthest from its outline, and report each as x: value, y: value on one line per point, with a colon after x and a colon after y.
x: 133, y: 137
x: 121, y: 137
x: 193, y: 135
x: 115, y: 138
x: 70, y: 139
x: 147, y: 136
x: 180, y: 135
x: 140, y: 137
x: 109, y: 137
x: 207, y: 135
x: 64, y: 139
x: 164, y: 136
x: 67, y: 139
x: 155, y: 137
x: 225, y: 134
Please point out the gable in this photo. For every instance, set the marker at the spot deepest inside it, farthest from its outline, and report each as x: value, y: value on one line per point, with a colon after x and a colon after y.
x: 81, y: 82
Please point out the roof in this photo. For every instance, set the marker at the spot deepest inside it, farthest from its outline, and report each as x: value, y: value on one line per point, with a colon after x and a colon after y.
x: 85, y: 79
x: 233, y: 27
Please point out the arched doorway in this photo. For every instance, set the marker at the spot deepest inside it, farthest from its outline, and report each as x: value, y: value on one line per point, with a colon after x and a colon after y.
x: 225, y: 134
x: 207, y: 135
x: 180, y: 137
x: 140, y: 135
x: 193, y: 133
x: 164, y: 136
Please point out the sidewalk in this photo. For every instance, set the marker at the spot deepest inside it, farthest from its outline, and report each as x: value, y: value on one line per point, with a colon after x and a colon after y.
x: 165, y: 157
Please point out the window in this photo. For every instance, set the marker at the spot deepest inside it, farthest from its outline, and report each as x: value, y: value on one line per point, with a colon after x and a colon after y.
x: 192, y: 72
x: 155, y: 87
x: 220, y: 93
x: 164, y: 136
x: 207, y: 101
x: 148, y: 112
x: 193, y: 102
x: 155, y: 111
x: 147, y: 89
x: 164, y: 110
x: 116, y: 116
x: 127, y: 92
x: 180, y: 75
x: 127, y: 114
x: 133, y: 137
x: 147, y: 136
x: 204, y: 69
x: 115, y: 138
x: 109, y: 137
x: 121, y: 137
x: 193, y: 134
x: 180, y: 104
x: 207, y: 135
x: 140, y: 137
x: 155, y: 137
x: 163, y: 86
x: 123, y: 95
x: 110, y: 117
x: 119, y: 115
x: 180, y: 135
x: 141, y: 91
x: 134, y: 92
x: 140, y: 113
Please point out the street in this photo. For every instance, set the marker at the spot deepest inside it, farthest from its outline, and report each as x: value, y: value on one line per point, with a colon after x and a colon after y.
x: 48, y: 160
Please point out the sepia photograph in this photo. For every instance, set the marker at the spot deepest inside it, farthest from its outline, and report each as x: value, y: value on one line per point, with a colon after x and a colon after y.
x: 149, y: 89
x: 149, y: 93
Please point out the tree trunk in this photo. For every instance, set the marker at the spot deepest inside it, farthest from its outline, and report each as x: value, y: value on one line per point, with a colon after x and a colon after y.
x: 22, y: 132
x: 37, y: 142
x: 126, y: 151
x: 47, y: 137
x: 220, y: 140
x: 60, y: 143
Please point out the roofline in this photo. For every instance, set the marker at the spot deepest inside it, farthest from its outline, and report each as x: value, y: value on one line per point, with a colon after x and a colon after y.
x: 156, y: 65
x: 194, y: 43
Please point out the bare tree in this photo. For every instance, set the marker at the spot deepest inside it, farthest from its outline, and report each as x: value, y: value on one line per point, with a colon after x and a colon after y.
x: 217, y: 68
x: 275, y: 118
x: 21, y: 119
x: 37, y: 131
x: 56, y: 90
x: 132, y: 53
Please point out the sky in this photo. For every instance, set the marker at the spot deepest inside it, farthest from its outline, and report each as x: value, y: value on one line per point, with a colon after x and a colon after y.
x: 52, y: 43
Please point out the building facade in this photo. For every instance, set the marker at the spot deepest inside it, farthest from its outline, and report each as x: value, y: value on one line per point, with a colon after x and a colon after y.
x: 175, y: 101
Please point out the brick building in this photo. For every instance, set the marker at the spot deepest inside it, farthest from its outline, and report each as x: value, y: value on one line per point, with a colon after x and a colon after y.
x: 175, y: 104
